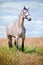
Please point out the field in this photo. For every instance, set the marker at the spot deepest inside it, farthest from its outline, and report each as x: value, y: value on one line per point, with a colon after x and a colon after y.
x: 32, y: 55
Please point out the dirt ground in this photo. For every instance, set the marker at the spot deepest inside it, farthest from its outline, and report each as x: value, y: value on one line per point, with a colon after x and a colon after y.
x: 28, y: 42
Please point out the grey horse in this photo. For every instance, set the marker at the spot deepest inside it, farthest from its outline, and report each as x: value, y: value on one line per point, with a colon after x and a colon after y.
x: 17, y: 29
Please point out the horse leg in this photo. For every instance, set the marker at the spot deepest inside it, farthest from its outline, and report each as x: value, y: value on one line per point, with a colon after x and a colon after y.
x: 23, y: 38
x: 23, y: 44
x: 10, y: 41
x: 16, y: 42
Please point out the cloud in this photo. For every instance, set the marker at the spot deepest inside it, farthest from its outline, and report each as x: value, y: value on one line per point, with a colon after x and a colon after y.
x: 20, y: 5
x: 34, y: 29
x: 8, y: 18
x: 2, y: 31
x: 2, y: 27
x: 37, y: 22
x: 11, y: 5
x: 10, y: 10
x: 37, y: 26
x: 34, y: 32
x: 4, y: 1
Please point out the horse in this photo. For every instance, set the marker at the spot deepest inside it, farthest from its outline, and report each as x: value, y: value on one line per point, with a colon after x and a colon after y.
x: 17, y: 29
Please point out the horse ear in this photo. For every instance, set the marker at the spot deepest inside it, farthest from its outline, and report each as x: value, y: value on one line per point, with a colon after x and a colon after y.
x: 24, y: 7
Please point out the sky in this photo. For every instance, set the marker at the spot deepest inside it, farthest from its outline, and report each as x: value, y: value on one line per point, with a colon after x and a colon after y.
x: 10, y: 10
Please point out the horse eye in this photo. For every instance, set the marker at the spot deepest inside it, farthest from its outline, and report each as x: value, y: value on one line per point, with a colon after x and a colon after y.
x: 25, y: 12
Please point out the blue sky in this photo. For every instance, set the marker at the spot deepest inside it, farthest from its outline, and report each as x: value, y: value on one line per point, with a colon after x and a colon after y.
x: 10, y: 9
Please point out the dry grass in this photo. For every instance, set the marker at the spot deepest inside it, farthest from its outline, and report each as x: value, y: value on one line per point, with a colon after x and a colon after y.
x: 11, y: 57
x: 32, y: 55
x: 28, y: 42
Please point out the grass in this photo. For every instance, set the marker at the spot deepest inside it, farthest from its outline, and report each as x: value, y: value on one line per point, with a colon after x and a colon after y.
x: 30, y: 56
x: 38, y: 50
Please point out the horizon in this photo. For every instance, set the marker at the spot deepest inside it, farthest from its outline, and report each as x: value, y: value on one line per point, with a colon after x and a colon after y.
x: 10, y: 9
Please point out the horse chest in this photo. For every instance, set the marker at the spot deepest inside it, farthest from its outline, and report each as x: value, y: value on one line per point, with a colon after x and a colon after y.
x: 18, y: 31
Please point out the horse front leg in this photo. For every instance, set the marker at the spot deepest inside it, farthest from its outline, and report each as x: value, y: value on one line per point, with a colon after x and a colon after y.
x: 23, y: 44
x: 16, y: 43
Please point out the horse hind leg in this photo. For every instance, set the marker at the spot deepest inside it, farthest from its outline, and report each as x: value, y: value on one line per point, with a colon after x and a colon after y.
x: 10, y: 41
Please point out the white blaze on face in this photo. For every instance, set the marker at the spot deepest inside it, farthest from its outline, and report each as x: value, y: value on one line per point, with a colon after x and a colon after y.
x: 25, y: 12
x: 27, y: 15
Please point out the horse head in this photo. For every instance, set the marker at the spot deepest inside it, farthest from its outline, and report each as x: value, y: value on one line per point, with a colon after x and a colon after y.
x: 26, y: 14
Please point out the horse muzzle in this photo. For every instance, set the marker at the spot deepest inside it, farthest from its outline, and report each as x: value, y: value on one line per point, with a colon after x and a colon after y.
x: 29, y: 19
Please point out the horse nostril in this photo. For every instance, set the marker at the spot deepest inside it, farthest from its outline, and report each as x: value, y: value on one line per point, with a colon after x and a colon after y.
x: 30, y: 19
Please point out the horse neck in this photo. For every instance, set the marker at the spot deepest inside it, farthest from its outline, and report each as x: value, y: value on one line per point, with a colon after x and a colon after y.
x: 21, y: 20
